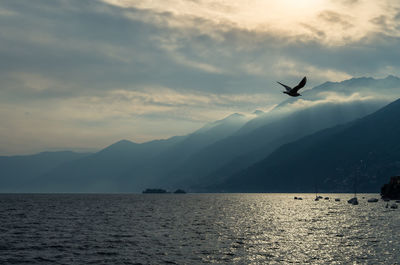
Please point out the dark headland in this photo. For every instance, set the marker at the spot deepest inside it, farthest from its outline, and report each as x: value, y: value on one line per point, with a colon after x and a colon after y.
x: 391, y: 190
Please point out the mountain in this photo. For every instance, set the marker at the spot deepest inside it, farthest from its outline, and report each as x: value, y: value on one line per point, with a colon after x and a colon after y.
x: 213, y: 153
x: 205, y: 136
x: 100, y: 172
x: 127, y: 166
x: 15, y: 171
x: 324, y: 106
x: 384, y: 90
x: 221, y: 159
x: 157, y: 170
x: 365, y: 152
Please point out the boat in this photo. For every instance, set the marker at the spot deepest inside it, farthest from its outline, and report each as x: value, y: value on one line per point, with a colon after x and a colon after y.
x: 317, y: 198
x: 373, y: 200
x: 353, y: 201
x: 393, y: 206
x: 337, y: 200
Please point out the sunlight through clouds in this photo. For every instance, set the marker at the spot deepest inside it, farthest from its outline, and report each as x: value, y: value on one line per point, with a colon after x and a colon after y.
x: 124, y: 66
x: 329, y: 21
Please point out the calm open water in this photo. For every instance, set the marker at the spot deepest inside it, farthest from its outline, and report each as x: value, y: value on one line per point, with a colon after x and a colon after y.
x: 196, y: 229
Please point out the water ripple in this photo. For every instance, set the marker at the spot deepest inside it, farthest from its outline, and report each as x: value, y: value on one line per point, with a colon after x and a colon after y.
x: 195, y: 229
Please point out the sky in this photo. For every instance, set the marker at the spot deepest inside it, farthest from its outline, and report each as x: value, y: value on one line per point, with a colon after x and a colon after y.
x: 82, y: 74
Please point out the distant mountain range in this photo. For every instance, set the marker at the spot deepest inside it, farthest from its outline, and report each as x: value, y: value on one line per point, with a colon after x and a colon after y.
x: 17, y: 171
x: 333, y: 135
x: 126, y: 166
x: 361, y: 154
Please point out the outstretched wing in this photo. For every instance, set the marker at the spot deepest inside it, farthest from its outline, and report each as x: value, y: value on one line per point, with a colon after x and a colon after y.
x: 288, y: 88
x: 300, y: 85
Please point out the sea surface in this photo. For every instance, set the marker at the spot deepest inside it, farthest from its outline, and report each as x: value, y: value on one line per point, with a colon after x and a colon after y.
x: 196, y: 229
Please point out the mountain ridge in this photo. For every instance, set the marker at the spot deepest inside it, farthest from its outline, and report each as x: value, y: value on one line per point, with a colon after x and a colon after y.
x: 216, y: 151
x: 364, y: 151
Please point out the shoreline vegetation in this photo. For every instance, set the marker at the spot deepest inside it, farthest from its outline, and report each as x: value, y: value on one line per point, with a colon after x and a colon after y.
x: 391, y: 190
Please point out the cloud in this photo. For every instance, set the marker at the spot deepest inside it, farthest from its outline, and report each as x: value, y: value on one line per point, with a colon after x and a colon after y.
x: 297, y: 69
x: 329, y: 98
x: 118, y: 68
x: 346, y: 2
x: 332, y: 17
x: 302, y: 19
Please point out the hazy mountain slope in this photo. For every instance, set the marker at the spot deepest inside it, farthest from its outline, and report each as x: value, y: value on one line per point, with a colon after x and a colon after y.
x: 127, y: 166
x: 352, y: 99
x: 385, y: 89
x: 367, y: 148
x: 201, y: 138
x: 219, y: 149
x: 158, y: 168
x: 221, y: 159
x: 16, y: 170
x: 100, y: 172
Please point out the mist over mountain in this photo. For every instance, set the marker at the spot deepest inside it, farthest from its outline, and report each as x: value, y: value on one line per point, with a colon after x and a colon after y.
x: 363, y: 88
x: 240, y: 151
x: 207, y: 135
x: 361, y: 154
x: 156, y: 172
x: 321, y: 107
x: 126, y: 166
x: 100, y: 172
x: 219, y: 153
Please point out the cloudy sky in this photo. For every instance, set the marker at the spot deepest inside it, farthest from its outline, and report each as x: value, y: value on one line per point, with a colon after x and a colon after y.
x: 82, y: 74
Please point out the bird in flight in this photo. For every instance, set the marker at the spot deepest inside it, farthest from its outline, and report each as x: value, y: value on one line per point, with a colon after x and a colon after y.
x: 293, y: 92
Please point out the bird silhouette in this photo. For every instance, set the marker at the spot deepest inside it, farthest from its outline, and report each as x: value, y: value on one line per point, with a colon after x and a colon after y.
x: 293, y: 92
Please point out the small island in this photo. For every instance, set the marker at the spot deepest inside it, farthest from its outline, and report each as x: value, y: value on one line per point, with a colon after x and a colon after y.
x: 392, y: 189
x: 162, y: 191
x: 155, y: 191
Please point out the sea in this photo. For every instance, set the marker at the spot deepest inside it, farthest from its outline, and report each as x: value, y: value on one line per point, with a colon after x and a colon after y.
x: 196, y: 229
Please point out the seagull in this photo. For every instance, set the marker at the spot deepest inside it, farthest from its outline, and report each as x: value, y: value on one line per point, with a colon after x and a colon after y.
x: 293, y: 92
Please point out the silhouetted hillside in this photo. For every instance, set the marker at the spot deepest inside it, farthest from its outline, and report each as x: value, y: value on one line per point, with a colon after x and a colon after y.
x: 237, y: 152
x: 156, y: 171
x: 367, y: 150
x: 127, y: 166
x: 213, y: 153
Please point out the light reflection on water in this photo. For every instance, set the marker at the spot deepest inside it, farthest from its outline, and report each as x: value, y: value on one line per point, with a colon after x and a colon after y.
x: 196, y: 229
